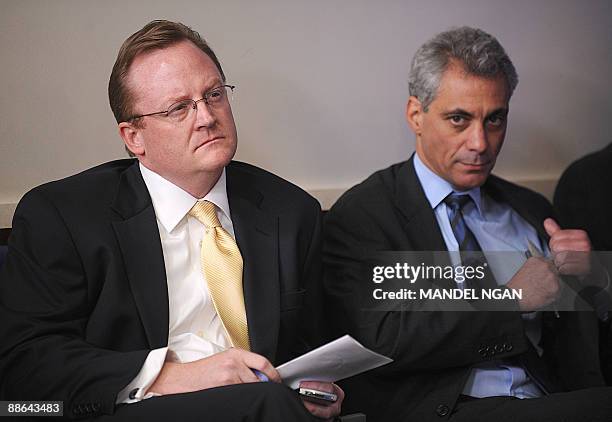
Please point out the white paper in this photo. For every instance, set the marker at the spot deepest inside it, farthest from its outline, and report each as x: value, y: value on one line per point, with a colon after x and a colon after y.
x: 339, y: 359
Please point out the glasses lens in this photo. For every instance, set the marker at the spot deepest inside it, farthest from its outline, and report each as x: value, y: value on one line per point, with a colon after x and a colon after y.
x: 216, y: 95
x: 180, y: 110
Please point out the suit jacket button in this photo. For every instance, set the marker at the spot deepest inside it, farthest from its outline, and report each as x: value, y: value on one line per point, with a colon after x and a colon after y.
x: 508, y: 347
x: 133, y: 393
x: 442, y: 410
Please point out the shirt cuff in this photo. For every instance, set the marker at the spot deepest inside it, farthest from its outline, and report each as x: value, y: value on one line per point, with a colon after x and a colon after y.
x: 136, y: 390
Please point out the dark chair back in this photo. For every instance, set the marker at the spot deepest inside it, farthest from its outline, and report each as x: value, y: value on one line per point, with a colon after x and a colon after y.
x: 3, y: 251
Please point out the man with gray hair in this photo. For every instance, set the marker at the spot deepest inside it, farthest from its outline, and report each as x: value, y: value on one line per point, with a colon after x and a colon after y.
x: 464, y: 366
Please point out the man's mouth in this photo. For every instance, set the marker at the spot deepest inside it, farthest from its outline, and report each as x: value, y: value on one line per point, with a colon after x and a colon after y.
x: 209, y: 140
x: 476, y: 166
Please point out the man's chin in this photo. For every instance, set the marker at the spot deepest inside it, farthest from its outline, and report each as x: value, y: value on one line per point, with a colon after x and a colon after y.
x: 470, y: 181
x: 216, y: 154
x: 217, y: 162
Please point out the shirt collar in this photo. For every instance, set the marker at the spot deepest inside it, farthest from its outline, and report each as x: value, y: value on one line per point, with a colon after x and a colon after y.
x: 171, y: 203
x: 436, y: 188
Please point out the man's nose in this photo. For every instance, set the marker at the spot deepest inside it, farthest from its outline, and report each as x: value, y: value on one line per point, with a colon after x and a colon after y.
x: 477, y: 138
x: 204, y: 115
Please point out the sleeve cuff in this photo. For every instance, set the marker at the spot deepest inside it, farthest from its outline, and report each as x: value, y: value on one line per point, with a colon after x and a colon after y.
x: 137, y: 389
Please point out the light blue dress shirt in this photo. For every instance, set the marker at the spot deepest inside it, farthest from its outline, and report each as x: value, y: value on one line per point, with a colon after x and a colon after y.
x: 503, y: 236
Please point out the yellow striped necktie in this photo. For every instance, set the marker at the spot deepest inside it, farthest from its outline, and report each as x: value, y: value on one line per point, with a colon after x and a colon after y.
x: 222, y: 266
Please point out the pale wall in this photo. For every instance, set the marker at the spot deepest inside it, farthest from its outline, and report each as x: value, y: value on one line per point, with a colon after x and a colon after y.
x: 321, y: 84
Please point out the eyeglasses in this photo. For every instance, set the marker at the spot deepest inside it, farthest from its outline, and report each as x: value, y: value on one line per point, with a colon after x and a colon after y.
x: 179, y: 111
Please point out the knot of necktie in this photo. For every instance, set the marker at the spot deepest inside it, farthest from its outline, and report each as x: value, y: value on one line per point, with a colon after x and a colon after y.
x: 457, y: 201
x: 465, y: 238
x: 206, y: 213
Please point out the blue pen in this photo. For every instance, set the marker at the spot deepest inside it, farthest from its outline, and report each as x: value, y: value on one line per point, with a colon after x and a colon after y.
x: 262, y: 377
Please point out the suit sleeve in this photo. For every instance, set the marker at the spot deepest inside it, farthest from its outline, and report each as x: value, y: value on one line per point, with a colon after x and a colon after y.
x: 577, y: 204
x: 310, y: 321
x: 571, y: 201
x: 45, y: 302
x: 417, y: 340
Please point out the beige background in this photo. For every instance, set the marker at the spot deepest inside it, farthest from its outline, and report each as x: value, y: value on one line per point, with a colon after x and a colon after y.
x: 321, y: 84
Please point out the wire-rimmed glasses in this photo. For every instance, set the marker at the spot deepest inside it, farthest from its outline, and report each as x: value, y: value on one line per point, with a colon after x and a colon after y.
x: 179, y: 111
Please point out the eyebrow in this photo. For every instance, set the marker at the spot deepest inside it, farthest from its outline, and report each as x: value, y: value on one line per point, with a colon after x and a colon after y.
x: 457, y: 112
x: 175, y: 99
x: 461, y: 112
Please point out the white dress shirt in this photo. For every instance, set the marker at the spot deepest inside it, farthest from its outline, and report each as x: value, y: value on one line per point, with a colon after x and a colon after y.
x: 195, y: 330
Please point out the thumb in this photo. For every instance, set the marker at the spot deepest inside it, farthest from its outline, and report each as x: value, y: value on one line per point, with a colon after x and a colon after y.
x: 551, y: 226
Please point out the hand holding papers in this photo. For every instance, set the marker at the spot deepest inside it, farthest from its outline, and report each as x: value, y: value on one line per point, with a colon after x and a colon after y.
x: 339, y: 359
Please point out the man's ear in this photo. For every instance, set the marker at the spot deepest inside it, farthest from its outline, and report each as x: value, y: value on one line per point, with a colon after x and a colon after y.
x: 132, y: 138
x: 414, y: 114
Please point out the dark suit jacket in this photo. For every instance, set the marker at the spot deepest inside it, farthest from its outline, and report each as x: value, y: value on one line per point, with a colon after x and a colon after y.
x: 434, y: 351
x: 83, y: 295
x: 583, y: 200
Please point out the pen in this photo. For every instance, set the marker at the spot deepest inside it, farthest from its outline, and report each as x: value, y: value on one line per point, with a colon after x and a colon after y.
x: 262, y: 377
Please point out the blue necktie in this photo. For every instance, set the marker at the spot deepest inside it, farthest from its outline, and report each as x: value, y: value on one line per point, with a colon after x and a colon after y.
x: 469, y: 248
x: 465, y: 238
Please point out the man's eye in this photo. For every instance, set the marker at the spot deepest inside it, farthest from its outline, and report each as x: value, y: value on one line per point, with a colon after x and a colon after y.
x: 457, y: 120
x: 496, y: 120
x: 179, y: 107
x: 214, y: 95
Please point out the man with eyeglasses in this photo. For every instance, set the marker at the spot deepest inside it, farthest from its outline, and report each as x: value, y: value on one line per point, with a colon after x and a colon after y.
x: 136, y: 282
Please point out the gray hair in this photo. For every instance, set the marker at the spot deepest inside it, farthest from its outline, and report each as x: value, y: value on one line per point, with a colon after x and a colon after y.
x: 479, y: 53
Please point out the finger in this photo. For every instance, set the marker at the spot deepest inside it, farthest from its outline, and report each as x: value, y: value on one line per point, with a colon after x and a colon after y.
x: 551, y: 226
x: 573, y: 267
x: 571, y: 234
x: 575, y: 244
x: 340, y: 392
x: 322, y: 411
x: 559, y: 258
x: 241, y: 364
x: 567, y: 269
x: 246, y: 374
x: 314, y: 409
x: 272, y: 373
x: 570, y: 256
x: 255, y: 361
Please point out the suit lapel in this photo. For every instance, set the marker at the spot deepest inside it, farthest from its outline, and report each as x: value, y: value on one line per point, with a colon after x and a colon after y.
x: 413, y: 204
x: 257, y: 237
x: 420, y: 224
x: 138, y: 238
